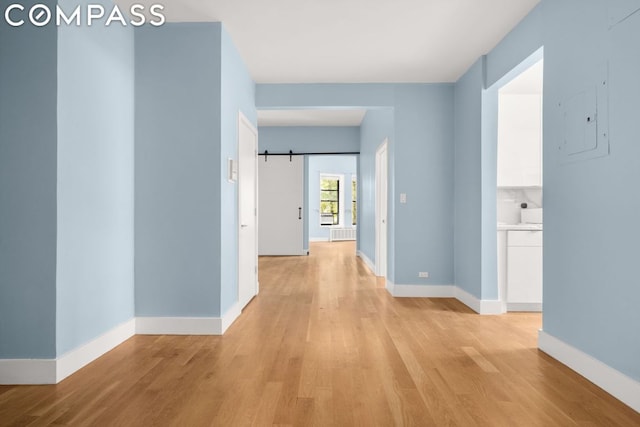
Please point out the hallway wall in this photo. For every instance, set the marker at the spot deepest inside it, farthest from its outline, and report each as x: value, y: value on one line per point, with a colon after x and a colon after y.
x: 95, y: 271
x: 28, y: 185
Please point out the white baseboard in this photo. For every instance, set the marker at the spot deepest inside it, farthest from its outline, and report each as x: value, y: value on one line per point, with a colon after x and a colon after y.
x: 178, y: 325
x: 367, y: 261
x: 524, y: 306
x: 484, y: 307
x: 446, y: 291
x: 77, y: 358
x: 604, y: 376
x: 389, y: 286
x: 52, y: 371
x: 467, y: 299
x: 318, y: 239
x: 27, y: 371
x: 229, y: 317
x: 422, y: 291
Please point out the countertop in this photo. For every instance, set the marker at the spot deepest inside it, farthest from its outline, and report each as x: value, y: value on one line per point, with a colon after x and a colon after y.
x: 524, y: 227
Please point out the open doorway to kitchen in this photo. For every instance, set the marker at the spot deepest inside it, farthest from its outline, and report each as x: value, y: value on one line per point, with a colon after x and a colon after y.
x: 519, y: 191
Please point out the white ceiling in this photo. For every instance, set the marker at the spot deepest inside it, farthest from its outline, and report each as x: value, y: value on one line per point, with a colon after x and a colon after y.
x: 315, y: 117
x: 352, y: 41
x: 349, y: 41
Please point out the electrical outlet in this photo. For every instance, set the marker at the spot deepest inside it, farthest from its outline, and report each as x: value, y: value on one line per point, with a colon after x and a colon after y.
x: 423, y: 274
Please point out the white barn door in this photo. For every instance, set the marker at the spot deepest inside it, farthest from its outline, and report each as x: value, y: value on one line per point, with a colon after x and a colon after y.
x: 280, y: 197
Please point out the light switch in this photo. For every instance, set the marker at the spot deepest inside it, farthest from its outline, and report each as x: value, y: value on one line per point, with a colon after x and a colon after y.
x: 403, y: 198
x: 232, y: 170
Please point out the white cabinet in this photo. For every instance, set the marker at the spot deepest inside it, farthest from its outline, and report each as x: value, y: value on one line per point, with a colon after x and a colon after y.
x: 520, y: 140
x: 524, y: 271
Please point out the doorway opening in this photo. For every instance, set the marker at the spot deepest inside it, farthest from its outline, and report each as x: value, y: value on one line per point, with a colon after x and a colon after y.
x: 519, y: 191
x: 332, y: 198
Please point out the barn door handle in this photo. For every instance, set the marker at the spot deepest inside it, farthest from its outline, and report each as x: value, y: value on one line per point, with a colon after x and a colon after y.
x: 299, y: 213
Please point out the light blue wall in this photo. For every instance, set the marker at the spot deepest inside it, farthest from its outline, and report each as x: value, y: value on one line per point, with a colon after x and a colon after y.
x: 347, y: 166
x: 237, y: 94
x: 323, y: 95
x: 95, y: 289
x: 591, y: 231
x: 422, y: 164
x: 476, y: 115
x: 467, y: 182
x: 177, y: 170
x: 324, y: 139
x: 376, y: 127
x: 28, y: 88
x: 591, y: 290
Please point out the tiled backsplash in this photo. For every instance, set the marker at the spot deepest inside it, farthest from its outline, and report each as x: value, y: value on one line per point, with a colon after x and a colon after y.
x: 509, y: 200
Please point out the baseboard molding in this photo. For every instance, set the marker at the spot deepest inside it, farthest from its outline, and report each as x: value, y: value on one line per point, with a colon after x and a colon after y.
x: 487, y: 307
x: 422, y: 291
x: 524, y: 306
x: 389, y: 286
x: 178, y: 325
x: 367, y: 261
x: 604, y: 376
x: 229, y: 317
x: 52, y: 371
x: 484, y: 307
x: 77, y: 358
x: 318, y: 239
x: 27, y: 371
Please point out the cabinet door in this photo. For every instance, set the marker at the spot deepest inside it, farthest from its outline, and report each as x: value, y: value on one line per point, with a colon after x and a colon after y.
x: 524, y: 274
x: 519, y: 140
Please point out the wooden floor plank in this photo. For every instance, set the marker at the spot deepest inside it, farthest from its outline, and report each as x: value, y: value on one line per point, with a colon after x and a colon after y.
x: 324, y: 344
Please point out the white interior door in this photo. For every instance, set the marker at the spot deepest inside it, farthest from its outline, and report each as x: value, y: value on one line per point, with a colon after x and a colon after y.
x: 382, y: 169
x: 247, y: 204
x: 281, y: 193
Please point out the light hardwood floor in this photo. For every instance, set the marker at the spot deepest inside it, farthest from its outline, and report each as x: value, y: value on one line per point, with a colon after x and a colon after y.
x: 324, y: 344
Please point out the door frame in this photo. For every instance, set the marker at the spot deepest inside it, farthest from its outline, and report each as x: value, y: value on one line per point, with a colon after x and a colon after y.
x: 244, y: 121
x: 381, y: 214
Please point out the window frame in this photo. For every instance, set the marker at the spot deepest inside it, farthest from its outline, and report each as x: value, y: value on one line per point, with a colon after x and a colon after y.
x: 339, y: 201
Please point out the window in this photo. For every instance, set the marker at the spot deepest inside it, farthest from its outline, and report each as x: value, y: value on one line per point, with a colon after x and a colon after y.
x: 329, y: 200
x: 354, y: 205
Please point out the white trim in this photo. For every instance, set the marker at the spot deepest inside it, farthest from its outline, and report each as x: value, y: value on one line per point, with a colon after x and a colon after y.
x: 491, y: 307
x: 612, y: 381
x: 229, y: 317
x: 178, y: 325
x: 27, y: 371
x: 381, y: 208
x: 524, y: 306
x: 52, y: 371
x: 81, y: 356
x: 484, y: 307
x: 467, y: 299
x: 318, y: 239
x: 423, y: 291
x: 367, y: 261
x: 389, y: 286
